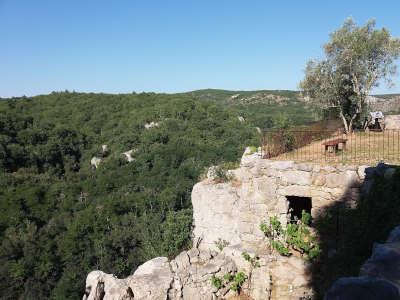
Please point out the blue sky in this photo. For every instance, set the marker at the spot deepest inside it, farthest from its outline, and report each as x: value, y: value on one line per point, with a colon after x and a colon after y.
x: 169, y: 46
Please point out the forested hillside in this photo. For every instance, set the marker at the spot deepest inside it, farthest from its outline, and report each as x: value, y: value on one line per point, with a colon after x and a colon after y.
x: 61, y: 218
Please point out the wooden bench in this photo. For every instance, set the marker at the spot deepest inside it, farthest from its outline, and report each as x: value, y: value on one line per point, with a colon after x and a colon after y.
x: 332, y: 146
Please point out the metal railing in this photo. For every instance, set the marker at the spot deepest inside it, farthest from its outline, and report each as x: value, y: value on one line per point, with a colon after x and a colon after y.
x: 334, y: 147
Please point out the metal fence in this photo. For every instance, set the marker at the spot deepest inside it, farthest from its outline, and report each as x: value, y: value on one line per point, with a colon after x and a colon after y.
x: 324, y: 146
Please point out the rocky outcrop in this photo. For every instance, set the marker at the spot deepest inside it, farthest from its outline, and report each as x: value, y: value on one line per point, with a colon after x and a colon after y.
x: 383, y: 104
x: 189, y: 275
x: 95, y: 162
x: 392, y: 122
x: 151, y: 125
x: 379, y: 276
x: 226, y: 217
x: 128, y: 155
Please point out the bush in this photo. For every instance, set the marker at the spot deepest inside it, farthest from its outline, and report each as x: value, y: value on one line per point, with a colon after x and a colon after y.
x: 252, y: 260
x: 235, y: 281
x: 297, y: 237
x: 222, y: 173
x: 221, y: 244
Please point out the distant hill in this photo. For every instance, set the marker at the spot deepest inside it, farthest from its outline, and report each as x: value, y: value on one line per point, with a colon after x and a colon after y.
x: 247, y: 97
x: 389, y: 103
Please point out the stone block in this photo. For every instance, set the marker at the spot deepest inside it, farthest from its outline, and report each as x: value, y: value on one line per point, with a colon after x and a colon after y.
x: 282, y: 164
x: 296, y: 177
x: 295, y: 190
x: 318, y: 179
x: 304, y: 167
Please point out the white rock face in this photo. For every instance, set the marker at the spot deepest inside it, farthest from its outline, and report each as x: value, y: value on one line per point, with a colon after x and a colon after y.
x: 392, y: 122
x: 151, y: 280
x: 95, y: 162
x: 128, y: 155
x: 104, y: 149
x: 151, y: 125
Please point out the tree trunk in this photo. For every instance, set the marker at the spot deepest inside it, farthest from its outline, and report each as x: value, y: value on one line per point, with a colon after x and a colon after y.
x: 347, y: 128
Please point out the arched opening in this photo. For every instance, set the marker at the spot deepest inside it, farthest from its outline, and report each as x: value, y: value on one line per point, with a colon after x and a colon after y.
x: 297, y: 205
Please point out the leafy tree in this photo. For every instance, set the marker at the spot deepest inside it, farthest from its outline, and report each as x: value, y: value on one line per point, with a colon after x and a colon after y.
x: 357, y: 59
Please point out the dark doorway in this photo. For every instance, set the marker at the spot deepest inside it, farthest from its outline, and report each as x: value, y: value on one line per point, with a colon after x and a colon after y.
x: 297, y: 205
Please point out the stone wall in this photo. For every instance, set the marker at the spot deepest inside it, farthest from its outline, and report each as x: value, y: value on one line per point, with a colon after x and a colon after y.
x: 233, y: 211
x: 379, y: 276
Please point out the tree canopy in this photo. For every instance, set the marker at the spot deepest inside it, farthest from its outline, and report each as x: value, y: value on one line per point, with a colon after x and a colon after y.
x: 59, y: 219
x: 357, y: 59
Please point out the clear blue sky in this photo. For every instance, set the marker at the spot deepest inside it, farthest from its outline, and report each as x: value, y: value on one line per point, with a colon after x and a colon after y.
x: 168, y: 46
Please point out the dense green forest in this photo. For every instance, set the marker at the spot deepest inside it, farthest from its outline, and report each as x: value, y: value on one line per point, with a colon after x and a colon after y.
x: 61, y: 218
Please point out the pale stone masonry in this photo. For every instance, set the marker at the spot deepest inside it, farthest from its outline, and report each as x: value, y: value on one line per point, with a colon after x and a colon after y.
x: 233, y: 211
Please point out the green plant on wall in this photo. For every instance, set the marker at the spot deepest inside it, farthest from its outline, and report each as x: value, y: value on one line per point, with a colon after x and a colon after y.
x: 254, y: 261
x: 235, y: 281
x: 221, y: 244
x: 296, y: 237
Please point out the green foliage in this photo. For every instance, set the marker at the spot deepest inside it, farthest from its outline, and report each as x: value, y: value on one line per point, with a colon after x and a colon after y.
x: 253, y: 149
x: 59, y: 219
x: 221, y: 244
x: 254, y: 261
x: 222, y: 173
x: 281, y: 248
x: 357, y: 59
x: 216, y: 282
x: 296, y: 237
x: 238, y: 281
x: 235, y: 281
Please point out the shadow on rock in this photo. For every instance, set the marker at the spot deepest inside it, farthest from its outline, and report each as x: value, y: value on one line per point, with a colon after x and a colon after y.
x: 350, y: 232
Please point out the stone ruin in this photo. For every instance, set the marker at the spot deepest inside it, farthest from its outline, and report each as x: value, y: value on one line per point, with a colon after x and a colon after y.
x: 226, y: 217
x: 263, y: 188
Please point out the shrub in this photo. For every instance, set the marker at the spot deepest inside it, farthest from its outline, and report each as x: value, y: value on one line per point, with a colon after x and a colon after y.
x: 221, y: 244
x: 252, y: 260
x: 235, y: 281
x: 297, y: 237
x: 222, y: 174
x: 238, y: 281
x: 216, y: 282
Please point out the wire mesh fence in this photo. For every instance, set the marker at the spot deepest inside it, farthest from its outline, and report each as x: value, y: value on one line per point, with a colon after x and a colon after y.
x: 332, y: 147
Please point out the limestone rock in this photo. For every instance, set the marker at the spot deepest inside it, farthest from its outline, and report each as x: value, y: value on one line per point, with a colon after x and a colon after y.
x: 232, y: 212
x: 95, y: 162
x: 151, y: 125
x: 296, y: 177
x: 152, y: 279
x: 100, y: 285
x: 104, y: 150
x: 128, y: 155
x: 366, y: 288
x: 392, y: 122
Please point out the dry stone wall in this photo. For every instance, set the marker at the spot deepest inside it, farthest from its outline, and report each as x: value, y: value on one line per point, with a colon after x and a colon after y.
x: 226, y: 220
x: 233, y: 211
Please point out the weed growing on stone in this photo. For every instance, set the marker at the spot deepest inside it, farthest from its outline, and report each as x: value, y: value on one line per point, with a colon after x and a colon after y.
x: 216, y: 282
x: 221, y: 244
x: 296, y: 237
x: 254, y: 261
x: 235, y: 281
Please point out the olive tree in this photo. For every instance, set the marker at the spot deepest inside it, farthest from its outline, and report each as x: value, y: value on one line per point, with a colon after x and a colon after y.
x: 357, y: 59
